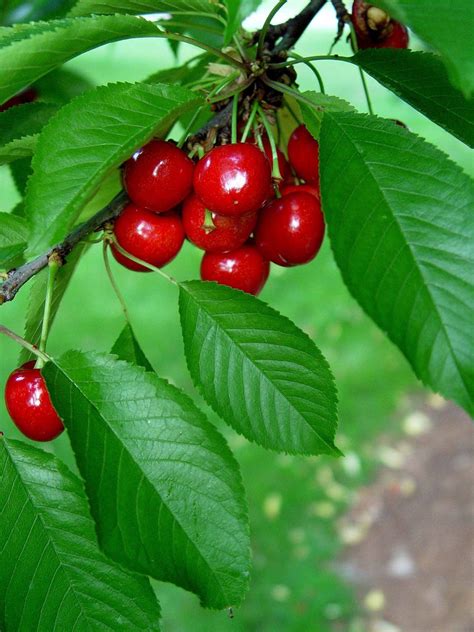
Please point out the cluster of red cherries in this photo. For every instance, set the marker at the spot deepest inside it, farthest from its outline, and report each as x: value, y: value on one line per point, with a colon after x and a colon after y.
x: 227, y: 204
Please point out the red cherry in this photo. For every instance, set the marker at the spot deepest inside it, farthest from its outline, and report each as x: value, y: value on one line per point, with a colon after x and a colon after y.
x: 303, y: 152
x: 290, y: 230
x: 27, y: 96
x: 233, y: 179
x: 158, y: 176
x: 301, y: 188
x: 224, y: 232
x: 244, y: 269
x: 374, y: 28
x: 153, y: 238
x: 29, y: 404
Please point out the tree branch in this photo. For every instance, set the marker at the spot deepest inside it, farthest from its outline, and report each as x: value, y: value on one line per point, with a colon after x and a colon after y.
x: 293, y: 29
x: 17, y: 277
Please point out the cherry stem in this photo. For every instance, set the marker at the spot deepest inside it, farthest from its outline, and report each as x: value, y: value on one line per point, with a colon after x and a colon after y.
x: 53, y: 267
x: 280, y: 87
x: 113, y: 283
x: 313, y: 69
x: 276, y: 167
x: 235, y: 111
x: 145, y: 264
x: 361, y: 72
x: 248, y: 125
x: 299, y: 59
x: 24, y: 343
x: 266, y: 26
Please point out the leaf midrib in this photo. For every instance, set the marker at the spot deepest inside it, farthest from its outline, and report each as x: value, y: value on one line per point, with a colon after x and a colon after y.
x: 145, y: 476
x: 414, y: 260
x: 267, y: 378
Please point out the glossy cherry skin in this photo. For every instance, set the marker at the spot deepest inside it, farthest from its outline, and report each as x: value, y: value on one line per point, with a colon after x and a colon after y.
x: 290, y: 230
x: 223, y: 233
x: 29, y: 404
x: 158, y: 176
x: 233, y: 179
x: 27, y: 96
x: 243, y: 269
x: 374, y: 28
x: 153, y: 238
x: 303, y: 152
x: 301, y: 188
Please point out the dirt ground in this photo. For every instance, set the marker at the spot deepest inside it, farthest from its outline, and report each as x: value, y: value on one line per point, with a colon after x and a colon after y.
x: 410, y: 536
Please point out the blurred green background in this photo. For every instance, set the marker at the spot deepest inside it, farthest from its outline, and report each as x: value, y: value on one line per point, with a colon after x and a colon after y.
x: 295, y: 503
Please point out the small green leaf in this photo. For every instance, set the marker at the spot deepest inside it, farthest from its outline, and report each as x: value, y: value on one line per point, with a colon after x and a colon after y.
x: 35, y: 309
x: 421, y: 80
x: 19, y: 129
x: 13, y: 237
x: 447, y: 27
x: 15, y: 11
x: 83, y: 143
x: 52, y: 574
x: 29, y: 51
x: 400, y: 220
x: 259, y: 372
x: 164, y: 488
x: 142, y: 7
x: 127, y: 348
x: 316, y: 105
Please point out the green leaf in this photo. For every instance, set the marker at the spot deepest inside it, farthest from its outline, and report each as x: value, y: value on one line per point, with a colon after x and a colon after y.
x: 29, y: 51
x: 19, y: 129
x: 52, y: 574
x: 316, y: 104
x: 61, y: 85
x: 142, y: 7
x: 237, y: 11
x: 164, y: 488
x: 35, y: 309
x: 13, y: 237
x: 127, y: 348
x: 259, y: 372
x: 400, y: 219
x: 182, y: 75
x: 447, y: 27
x: 21, y: 171
x: 421, y: 80
x: 83, y: 143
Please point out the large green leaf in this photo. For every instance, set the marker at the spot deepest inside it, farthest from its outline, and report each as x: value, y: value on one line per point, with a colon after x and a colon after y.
x: 127, y: 348
x: 401, y: 225
x: 316, y: 104
x: 35, y: 309
x: 86, y: 139
x: 52, y: 574
x: 13, y: 237
x: 29, y: 51
x: 19, y: 129
x: 421, y: 80
x: 164, y: 488
x: 141, y: 7
x: 262, y: 374
x: 447, y: 27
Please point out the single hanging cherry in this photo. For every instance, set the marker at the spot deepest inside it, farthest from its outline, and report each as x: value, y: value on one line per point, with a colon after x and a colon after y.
x: 243, y: 269
x: 158, y: 176
x: 290, y: 230
x: 213, y: 232
x: 233, y: 179
x: 29, y: 404
x: 153, y: 238
x: 374, y: 28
